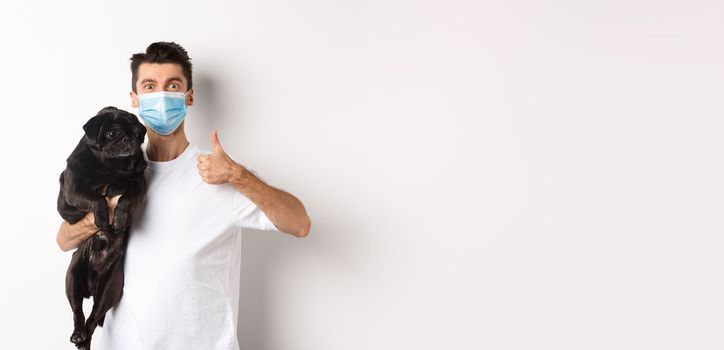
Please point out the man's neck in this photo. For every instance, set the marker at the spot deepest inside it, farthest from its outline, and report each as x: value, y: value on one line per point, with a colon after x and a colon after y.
x: 165, y: 148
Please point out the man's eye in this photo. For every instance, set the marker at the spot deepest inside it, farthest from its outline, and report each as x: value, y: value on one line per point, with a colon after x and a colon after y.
x: 173, y: 85
x: 149, y: 87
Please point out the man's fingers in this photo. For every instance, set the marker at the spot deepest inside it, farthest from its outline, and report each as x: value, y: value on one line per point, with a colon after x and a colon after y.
x: 112, y: 202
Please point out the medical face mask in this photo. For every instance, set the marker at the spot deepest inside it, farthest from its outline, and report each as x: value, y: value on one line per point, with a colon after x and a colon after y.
x: 162, y: 111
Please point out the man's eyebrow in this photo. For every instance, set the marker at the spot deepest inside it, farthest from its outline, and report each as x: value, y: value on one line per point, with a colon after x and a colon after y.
x: 174, y: 79
x: 149, y: 80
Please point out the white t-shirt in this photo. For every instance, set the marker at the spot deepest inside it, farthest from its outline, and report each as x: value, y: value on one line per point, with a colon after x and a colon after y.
x: 183, y: 262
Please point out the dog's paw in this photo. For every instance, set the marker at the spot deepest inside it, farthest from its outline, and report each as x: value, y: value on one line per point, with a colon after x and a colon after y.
x: 103, y: 226
x: 121, y: 221
x: 84, y: 345
x: 78, y: 337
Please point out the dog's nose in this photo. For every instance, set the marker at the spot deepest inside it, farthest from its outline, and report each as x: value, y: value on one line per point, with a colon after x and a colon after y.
x: 125, y: 139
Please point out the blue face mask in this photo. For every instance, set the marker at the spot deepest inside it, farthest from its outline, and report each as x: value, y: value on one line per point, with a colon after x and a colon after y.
x: 162, y: 111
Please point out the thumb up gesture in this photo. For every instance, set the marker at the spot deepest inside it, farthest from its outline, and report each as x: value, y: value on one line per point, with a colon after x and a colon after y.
x: 216, y: 168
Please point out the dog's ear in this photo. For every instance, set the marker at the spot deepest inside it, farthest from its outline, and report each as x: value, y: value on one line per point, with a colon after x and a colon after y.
x: 108, y: 109
x: 93, y: 128
x: 142, y: 133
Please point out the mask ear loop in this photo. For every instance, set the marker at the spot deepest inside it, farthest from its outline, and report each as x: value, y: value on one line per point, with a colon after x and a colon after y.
x: 186, y: 94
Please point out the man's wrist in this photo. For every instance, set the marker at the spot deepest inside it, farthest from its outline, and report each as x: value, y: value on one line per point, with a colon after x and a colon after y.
x: 240, y: 176
x: 87, y: 226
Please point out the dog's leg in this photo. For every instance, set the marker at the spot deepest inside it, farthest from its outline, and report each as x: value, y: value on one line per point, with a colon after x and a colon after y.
x: 67, y: 211
x: 110, y: 289
x: 76, y: 290
x: 92, y: 322
x: 85, y: 200
x: 131, y: 198
x: 122, y: 215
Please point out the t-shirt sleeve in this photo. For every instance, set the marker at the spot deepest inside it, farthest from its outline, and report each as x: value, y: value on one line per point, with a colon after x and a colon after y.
x: 247, y: 215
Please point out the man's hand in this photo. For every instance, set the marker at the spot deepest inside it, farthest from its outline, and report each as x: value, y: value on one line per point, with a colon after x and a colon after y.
x: 71, y: 236
x: 216, y: 168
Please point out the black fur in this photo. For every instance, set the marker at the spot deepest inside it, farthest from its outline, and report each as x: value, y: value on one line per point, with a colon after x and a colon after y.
x: 107, y: 161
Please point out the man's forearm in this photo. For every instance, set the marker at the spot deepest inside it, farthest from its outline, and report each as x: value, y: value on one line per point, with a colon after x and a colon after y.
x: 284, y: 210
x: 71, y: 236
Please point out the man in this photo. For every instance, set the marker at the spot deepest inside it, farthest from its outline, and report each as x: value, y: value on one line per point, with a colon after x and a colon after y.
x: 182, y: 263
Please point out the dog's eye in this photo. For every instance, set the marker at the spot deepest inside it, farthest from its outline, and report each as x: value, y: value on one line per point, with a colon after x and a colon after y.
x: 111, y: 134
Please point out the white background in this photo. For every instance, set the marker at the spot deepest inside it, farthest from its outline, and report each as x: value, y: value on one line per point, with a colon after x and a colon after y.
x: 480, y: 174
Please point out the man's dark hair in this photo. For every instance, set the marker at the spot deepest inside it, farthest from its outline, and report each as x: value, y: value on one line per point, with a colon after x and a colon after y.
x: 162, y: 52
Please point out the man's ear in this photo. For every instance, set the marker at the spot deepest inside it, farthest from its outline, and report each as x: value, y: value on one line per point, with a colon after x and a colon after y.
x: 190, y: 98
x: 134, y: 99
x: 93, y: 128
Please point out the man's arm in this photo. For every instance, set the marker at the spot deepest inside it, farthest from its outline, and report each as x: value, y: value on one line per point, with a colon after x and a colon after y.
x: 70, y: 236
x: 284, y: 210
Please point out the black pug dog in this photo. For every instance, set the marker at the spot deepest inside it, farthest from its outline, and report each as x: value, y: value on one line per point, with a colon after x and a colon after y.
x: 108, y: 161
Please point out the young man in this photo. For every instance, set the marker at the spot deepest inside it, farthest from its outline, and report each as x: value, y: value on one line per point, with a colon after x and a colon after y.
x: 182, y: 263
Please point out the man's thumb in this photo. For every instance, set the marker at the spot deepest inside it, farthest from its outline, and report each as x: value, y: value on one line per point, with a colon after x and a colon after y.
x: 215, y: 141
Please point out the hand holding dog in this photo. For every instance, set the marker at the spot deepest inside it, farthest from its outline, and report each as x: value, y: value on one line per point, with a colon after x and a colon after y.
x: 216, y: 168
x: 75, y: 234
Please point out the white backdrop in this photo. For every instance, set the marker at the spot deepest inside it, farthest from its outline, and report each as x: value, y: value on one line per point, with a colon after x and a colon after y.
x: 480, y: 174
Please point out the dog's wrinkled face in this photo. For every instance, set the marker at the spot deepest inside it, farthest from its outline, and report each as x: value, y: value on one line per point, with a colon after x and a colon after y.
x: 114, y: 135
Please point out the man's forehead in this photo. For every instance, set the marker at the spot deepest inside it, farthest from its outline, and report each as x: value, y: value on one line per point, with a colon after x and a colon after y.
x: 160, y: 72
